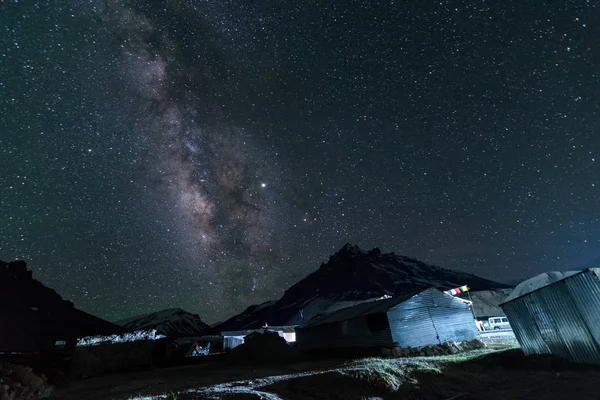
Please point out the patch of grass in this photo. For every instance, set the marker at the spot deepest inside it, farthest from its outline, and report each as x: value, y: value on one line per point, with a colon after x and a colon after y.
x: 392, y: 373
x: 389, y: 374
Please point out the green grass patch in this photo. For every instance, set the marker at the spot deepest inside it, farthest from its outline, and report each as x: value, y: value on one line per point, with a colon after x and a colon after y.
x: 390, y: 374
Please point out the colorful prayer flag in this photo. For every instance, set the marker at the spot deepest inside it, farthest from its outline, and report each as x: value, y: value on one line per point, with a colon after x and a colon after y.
x: 458, y: 290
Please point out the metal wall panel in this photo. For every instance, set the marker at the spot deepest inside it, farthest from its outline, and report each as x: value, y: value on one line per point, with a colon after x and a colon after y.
x: 587, y: 287
x: 572, y: 339
x: 562, y: 318
x: 431, y: 317
x: 452, y: 318
x: 410, y: 321
x: 231, y: 342
x: 413, y: 327
x: 524, y: 325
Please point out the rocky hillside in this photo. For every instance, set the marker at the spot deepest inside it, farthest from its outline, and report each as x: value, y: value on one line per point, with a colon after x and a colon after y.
x: 34, y: 317
x: 350, y: 276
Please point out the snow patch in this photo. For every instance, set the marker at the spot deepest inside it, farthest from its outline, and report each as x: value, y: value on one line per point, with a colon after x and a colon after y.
x: 122, y: 338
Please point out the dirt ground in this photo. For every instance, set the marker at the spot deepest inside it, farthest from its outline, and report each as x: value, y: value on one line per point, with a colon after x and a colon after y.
x: 496, y: 375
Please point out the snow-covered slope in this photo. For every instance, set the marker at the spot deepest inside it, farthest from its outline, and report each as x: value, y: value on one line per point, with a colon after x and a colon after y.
x: 538, y: 281
x: 350, y: 276
x: 173, y: 322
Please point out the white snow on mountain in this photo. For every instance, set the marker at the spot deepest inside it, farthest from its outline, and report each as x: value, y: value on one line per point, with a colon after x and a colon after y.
x: 174, y: 322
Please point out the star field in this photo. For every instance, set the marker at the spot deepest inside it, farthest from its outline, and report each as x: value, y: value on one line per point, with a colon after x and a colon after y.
x: 209, y: 154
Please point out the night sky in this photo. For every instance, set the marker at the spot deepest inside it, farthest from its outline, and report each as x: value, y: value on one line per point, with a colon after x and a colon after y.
x: 209, y: 154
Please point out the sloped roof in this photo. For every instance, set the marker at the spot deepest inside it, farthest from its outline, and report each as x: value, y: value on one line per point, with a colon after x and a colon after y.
x: 486, y: 303
x: 538, y: 282
x: 244, y: 332
x: 371, y: 307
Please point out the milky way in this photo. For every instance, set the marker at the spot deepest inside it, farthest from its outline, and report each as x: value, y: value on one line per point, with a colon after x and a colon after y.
x: 207, y: 172
x: 209, y: 154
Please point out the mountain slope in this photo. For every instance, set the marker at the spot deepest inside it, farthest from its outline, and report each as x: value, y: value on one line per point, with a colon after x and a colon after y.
x: 173, y: 322
x: 352, y: 275
x: 33, y: 316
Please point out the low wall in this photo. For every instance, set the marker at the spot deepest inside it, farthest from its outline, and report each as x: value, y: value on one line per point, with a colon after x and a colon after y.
x: 119, y: 357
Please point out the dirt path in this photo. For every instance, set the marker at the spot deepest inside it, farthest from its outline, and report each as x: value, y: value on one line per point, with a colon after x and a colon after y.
x: 322, y: 383
x: 159, y: 382
x: 250, y: 388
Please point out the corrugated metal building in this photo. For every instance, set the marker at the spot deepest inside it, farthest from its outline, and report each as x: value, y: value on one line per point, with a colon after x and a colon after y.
x: 560, y: 318
x: 418, y: 318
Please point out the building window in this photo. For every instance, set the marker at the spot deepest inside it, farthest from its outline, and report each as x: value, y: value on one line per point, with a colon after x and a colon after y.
x: 376, y: 322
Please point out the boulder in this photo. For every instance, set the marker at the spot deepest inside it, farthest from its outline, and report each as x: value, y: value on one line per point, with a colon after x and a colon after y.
x: 477, y: 344
x: 429, y: 351
x: 385, y: 352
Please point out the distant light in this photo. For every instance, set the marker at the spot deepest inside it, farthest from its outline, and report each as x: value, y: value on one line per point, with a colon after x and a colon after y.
x: 264, y: 185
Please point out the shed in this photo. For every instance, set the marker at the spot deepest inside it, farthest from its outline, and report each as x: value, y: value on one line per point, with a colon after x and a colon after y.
x: 417, y: 318
x: 558, y: 313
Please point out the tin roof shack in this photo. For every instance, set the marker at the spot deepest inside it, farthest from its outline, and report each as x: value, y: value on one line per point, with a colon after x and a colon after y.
x: 558, y: 313
x: 418, y: 318
x: 232, y: 339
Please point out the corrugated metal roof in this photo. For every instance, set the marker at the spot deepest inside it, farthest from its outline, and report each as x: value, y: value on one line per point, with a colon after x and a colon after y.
x: 567, y: 275
x: 538, y: 282
x: 362, y: 309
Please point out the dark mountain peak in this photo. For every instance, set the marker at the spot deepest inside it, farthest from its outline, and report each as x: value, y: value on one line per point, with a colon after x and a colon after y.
x: 16, y: 269
x: 18, y: 288
x: 175, y: 311
x: 375, y: 252
x: 351, y: 275
x: 348, y: 251
x: 34, y: 316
